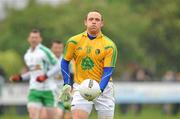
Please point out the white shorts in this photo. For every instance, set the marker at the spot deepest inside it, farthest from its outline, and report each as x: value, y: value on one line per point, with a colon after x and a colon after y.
x: 104, y: 104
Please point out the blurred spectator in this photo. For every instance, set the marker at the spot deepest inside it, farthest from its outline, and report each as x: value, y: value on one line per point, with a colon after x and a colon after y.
x: 125, y: 77
x: 140, y: 76
x: 2, y: 80
x: 176, y: 106
x: 168, y: 77
x: 2, y: 72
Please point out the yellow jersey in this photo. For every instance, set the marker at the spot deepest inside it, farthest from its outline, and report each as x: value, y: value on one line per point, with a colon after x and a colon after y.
x: 90, y: 56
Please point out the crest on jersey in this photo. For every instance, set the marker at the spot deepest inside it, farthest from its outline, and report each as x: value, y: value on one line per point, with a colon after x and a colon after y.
x: 97, y: 51
x: 87, y: 63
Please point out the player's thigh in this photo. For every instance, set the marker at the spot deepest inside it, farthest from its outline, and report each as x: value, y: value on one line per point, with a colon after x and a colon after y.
x: 105, y: 103
x: 59, y: 113
x: 34, y: 112
x: 80, y: 114
x: 81, y: 108
x: 51, y: 113
x: 43, y: 113
x: 67, y: 115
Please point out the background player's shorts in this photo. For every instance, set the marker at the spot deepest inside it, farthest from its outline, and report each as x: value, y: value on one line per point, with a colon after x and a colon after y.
x: 104, y: 104
x: 41, y: 98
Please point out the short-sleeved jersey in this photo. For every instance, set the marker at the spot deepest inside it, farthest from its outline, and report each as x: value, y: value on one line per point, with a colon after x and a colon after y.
x: 39, y: 61
x: 90, y: 56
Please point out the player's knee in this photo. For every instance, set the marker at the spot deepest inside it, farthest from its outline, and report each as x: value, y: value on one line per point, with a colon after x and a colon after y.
x: 80, y: 114
x: 33, y: 115
x: 58, y: 113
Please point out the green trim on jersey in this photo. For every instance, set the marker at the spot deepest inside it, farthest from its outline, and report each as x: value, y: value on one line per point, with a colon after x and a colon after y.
x: 49, y: 54
x: 113, y: 46
x: 46, y: 98
x: 45, y: 65
x: 70, y: 40
x: 114, y: 56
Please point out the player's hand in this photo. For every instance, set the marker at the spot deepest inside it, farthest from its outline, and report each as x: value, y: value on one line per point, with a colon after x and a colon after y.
x: 41, y: 78
x: 67, y: 105
x: 15, y: 78
x: 65, y: 94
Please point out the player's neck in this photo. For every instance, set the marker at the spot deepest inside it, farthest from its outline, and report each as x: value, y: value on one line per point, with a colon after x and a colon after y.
x: 58, y: 56
x: 91, y: 37
x: 33, y: 47
x: 92, y: 34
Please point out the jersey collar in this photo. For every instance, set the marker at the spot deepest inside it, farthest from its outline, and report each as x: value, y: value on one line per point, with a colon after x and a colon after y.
x: 36, y: 47
x: 99, y: 35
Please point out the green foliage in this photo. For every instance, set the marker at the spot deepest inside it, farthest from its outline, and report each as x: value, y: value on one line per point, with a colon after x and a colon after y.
x: 161, y: 38
x: 11, y: 62
x: 145, y: 32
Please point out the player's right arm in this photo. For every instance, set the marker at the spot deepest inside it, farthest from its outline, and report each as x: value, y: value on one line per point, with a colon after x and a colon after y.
x: 68, y: 56
x: 20, y: 77
x: 65, y: 95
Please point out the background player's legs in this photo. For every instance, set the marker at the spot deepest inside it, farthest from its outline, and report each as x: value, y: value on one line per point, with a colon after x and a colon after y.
x: 50, y: 113
x: 58, y: 113
x: 34, y: 110
x: 67, y: 115
x: 63, y: 112
x: 49, y: 104
x: 43, y: 114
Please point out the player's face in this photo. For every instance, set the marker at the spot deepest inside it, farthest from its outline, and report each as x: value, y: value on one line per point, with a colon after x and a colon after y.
x: 57, y: 49
x: 94, y: 23
x: 34, y: 39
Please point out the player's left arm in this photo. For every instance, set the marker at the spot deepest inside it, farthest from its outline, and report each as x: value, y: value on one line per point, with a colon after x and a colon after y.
x: 109, y: 64
x: 106, y: 77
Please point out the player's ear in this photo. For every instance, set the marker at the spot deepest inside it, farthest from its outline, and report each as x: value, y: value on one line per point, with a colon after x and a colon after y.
x: 40, y: 39
x: 85, y: 22
x: 102, y: 23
